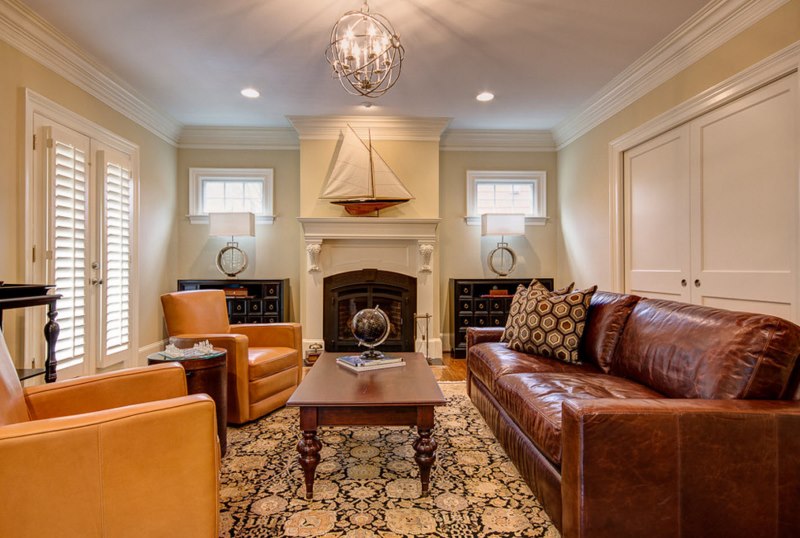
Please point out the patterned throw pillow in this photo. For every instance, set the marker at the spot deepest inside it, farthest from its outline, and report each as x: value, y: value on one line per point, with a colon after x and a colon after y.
x: 516, y: 317
x: 554, y: 325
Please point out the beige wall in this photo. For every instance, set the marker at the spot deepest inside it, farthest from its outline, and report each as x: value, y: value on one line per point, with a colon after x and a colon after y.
x: 415, y: 163
x: 157, y: 235
x: 273, y: 252
x: 463, y: 252
x: 584, y: 250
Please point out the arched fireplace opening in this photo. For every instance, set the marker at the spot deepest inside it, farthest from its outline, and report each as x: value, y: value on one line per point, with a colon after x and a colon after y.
x: 347, y: 293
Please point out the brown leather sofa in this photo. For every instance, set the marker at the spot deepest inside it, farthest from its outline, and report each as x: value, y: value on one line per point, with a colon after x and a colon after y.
x: 123, y: 454
x: 265, y: 361
x: 682, y: 420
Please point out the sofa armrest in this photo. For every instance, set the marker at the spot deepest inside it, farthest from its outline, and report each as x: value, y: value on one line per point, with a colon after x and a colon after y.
x: 105, y: 391
x: 271, y: 334
x: 478, y: 335
x: 665, y: 467
x: 149, y: 469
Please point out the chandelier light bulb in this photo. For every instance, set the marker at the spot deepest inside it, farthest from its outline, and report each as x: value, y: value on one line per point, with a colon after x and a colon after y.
x: 365, y: 53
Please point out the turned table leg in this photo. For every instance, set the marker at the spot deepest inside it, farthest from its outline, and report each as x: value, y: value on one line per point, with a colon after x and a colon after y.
x: 51, y: 330
x: 308, y: 448
x: 425, y: 447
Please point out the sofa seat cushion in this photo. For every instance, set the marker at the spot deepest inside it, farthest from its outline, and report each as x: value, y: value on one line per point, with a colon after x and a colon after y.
x: 490, y: 360
x: 266, y: 361
x: 533, y: 401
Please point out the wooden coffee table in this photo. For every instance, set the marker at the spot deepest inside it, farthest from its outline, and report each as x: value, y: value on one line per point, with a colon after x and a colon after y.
x: 331, y: 395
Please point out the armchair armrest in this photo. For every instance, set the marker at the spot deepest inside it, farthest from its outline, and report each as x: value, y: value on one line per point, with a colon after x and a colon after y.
x: 665, y: 467
x: 272, y: 334
x: 105, y: 391
x: 478, y: 335
x: 149, y: 469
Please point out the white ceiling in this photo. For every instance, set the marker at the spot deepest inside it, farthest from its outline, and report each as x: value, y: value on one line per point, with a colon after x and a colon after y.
x: 542, y: 58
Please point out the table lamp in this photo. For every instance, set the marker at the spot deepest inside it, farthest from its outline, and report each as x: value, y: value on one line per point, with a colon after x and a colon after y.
x: 231, y: 260
x: 502, y: 259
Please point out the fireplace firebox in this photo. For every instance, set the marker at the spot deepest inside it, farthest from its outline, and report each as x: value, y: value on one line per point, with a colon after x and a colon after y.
x: 347, y: 293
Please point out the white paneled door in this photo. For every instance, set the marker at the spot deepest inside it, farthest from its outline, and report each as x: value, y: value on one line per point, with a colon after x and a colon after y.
x: 711, y: 207
x: 86, y: 197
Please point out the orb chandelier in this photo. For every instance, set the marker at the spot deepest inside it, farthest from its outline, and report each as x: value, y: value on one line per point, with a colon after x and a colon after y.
x: 365, y: 53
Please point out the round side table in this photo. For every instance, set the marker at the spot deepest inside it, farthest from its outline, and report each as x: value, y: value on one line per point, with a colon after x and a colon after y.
x: 206, y: 375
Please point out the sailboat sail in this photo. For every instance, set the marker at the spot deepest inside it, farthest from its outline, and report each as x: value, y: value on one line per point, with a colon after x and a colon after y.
x: 360, y: 180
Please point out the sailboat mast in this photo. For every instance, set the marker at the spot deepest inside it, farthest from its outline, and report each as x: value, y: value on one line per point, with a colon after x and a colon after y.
x: 371, y: 167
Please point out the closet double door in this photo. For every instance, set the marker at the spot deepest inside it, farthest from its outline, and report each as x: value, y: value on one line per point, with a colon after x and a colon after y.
x: 711, y: 207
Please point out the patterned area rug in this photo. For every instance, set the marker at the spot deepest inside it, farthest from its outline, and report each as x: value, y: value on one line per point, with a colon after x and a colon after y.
x: 367, y: 484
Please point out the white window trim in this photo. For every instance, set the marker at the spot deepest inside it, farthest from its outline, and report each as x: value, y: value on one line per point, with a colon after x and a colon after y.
x: 196, y: 175
x: 539, y: 177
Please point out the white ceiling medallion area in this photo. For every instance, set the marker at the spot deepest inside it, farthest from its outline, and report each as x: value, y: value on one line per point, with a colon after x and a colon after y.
x: 716, y: 23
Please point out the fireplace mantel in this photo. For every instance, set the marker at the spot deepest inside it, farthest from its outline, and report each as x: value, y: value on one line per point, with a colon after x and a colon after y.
x: 316, y: 228
x: 339, y: 244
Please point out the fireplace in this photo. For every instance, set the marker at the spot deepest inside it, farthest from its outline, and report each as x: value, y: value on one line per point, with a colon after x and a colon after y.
x: 344, y: 294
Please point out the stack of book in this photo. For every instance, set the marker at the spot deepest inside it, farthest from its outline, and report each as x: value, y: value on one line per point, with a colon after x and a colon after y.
x: 357, y: 364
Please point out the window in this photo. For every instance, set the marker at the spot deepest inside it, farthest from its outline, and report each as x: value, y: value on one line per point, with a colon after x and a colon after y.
x: 230, y: 190
x: 507, y: 192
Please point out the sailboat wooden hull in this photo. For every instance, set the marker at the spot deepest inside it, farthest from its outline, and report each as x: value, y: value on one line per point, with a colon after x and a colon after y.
x: 365, y: 207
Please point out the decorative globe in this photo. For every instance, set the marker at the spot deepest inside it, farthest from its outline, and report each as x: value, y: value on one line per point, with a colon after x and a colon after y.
x: 371, y: 328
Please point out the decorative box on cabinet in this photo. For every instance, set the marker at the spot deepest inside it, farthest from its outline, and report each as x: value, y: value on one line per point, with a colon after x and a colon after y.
x: 474, y: 305
x: 249, y: 301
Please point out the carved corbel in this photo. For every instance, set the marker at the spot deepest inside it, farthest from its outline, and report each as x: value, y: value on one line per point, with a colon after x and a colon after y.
x: 313, y: 250
x: 426, y: 253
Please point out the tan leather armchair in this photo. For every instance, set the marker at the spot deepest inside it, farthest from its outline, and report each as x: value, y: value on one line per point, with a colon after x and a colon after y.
x: 265, y: 362
x: 124, y: 454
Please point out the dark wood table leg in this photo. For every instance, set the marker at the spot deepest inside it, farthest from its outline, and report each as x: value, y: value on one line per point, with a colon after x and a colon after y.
x: 51, y: 330
x: 425, y: 446
x: 309, y: 447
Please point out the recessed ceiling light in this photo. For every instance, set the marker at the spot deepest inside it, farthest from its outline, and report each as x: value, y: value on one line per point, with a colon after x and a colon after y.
x: 485, y: 96
x: 367, y: 105
x: 252, y: 93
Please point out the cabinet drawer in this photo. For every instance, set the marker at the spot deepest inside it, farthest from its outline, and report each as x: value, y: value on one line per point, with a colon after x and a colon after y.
x: 481, y: 320
x: 238, y: 307
x: 498, y: 305
x: 465, y: 290
x: 271, y: 290
x: 254, y: 319
x: 254, y: 306
x: 481, y: 305
x: 497, y: 320
x: 270, y: 319
x: 236, y: 320
x: 464, y: 321
x: 270, y: 306
x: 465, y: 305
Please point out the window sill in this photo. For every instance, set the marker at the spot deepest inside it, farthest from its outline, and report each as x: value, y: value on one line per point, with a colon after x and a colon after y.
x: 529, y: 221
x: 203, y: 219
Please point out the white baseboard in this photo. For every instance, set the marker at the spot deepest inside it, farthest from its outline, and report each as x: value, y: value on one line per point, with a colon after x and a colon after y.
x: 149, y: 349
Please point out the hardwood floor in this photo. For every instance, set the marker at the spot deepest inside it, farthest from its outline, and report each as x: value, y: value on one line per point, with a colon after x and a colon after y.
x: 452, y: 370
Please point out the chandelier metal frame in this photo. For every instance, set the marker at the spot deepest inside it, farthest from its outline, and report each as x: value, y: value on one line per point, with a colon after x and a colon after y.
x: 365, y: 53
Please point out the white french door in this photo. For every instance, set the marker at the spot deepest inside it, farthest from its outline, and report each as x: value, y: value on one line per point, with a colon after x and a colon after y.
x: 85, y: 190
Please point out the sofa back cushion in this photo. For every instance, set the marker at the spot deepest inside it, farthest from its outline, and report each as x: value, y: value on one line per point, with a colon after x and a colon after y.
x: 691, y: 351
x: 605, y: 320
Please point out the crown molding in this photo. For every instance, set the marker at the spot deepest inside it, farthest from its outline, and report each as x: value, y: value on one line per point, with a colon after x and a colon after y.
x: 29, y: 33
x: 239, y: 138
x: 379, y: 127
x: 716, y: 23
x: 496, y: 140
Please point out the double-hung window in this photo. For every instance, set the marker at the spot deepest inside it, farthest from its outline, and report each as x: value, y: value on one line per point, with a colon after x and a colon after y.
x: 507, y: 192
x: 230, y: 190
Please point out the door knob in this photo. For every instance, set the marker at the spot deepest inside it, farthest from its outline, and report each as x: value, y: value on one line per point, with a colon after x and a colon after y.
x: 683, y: 282
x: 697, y: 283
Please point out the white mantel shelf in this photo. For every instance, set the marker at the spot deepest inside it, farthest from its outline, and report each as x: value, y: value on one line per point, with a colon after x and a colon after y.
x: 321, y: 228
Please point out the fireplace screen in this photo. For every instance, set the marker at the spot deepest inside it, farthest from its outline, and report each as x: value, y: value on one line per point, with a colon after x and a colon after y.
x: 347, y: 293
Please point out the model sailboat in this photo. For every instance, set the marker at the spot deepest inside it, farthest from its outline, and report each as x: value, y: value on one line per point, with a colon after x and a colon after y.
x: 360, y: 180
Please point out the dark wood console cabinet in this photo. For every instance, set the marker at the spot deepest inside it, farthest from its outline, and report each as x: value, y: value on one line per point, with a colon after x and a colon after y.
x: 250, y: 301
x: 473, y: 306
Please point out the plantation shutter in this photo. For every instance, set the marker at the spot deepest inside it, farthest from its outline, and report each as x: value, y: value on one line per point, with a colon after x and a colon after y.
x: 67, y: 170
x: 117, y: 189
